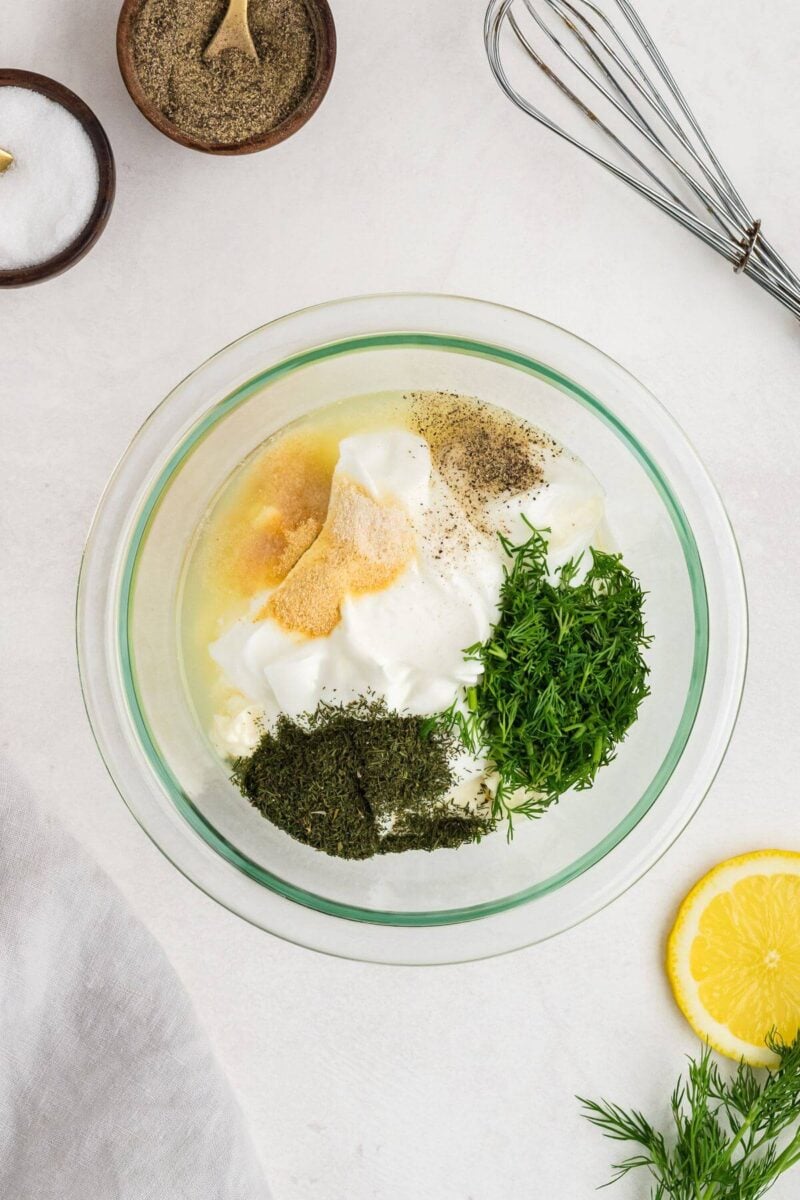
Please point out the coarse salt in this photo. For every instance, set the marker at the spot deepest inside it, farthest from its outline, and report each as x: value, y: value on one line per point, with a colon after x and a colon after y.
x: 48, y: 193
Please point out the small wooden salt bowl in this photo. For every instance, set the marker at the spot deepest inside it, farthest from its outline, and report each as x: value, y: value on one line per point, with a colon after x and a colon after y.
x: 82, y: 244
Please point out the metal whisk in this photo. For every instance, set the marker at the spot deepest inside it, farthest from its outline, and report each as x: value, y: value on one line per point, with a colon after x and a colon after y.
x: 620, y: 64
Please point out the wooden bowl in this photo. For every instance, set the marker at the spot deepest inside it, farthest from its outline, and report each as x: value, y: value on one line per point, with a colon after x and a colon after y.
x: 325, y: 34
x: 82, y: 244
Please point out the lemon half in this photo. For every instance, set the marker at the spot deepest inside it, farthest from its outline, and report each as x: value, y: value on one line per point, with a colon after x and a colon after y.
x: 733, y: 956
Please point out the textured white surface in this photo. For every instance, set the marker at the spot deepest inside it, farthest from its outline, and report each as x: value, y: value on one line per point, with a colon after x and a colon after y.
x: 366, y: 1083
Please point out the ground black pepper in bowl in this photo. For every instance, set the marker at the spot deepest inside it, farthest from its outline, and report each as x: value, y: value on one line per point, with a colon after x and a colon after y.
x: 483, y: 453
x: 231, y: 99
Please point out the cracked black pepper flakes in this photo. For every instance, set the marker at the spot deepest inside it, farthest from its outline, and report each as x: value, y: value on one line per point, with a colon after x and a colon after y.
x: 231, y: 98
x: 483, y: 453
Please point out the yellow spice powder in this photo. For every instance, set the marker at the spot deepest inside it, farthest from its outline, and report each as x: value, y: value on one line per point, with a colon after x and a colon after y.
x: 278, y: 511
x: 362, y: 547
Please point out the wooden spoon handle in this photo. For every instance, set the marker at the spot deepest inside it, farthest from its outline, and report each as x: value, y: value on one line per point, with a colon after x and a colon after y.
x: 237, y: 10
x: 233, y: 32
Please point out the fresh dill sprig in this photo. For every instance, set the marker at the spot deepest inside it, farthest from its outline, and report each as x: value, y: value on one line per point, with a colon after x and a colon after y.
x: 731, y: 1138
x: 563, y: 676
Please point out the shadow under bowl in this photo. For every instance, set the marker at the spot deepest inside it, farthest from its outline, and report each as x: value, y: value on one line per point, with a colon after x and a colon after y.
x: 82, y: 244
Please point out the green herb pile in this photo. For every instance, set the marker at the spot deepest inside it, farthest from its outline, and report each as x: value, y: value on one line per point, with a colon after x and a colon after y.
x: 731, y: 1139
x: 355, y: 780
x: 563, y: 677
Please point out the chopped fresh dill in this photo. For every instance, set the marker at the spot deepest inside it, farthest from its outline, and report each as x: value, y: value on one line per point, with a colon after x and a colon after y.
x: 731, y: 1138
x: 563, y: 677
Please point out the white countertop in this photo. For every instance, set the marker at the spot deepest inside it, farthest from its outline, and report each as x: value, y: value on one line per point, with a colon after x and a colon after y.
x: 376, y: 1083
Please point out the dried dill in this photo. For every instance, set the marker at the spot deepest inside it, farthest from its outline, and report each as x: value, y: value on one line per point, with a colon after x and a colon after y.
x: 435, y: 829
x: 357, y: 779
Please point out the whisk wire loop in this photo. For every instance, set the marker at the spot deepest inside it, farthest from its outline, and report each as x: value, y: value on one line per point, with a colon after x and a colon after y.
x: 626, y: 73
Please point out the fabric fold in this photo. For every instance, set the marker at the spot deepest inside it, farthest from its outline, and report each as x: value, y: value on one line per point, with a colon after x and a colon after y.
x: 108, y: 1086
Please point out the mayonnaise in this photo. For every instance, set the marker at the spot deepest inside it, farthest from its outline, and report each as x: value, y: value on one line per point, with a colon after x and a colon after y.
x: 404, y: 642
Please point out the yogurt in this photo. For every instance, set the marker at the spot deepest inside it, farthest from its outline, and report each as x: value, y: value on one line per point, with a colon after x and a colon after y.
x: 404, y: 642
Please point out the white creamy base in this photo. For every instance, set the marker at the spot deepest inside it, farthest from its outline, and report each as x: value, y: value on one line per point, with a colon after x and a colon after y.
x: 406, y: 642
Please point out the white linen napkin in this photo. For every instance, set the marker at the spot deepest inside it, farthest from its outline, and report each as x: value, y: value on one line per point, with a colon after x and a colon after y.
x: 108, y: 1088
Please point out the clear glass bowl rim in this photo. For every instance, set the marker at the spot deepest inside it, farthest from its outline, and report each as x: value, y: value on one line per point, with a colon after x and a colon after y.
x: 203, y: 425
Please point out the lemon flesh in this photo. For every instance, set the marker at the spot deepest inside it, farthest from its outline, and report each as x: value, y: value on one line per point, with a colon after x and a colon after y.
x: 733, y: 956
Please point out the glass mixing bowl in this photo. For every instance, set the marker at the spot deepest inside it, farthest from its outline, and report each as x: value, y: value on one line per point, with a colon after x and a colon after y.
x: 415, y: 907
